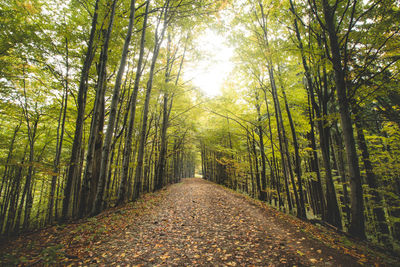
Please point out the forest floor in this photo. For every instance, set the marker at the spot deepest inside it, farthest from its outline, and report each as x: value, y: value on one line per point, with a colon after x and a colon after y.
x: 191, y: 223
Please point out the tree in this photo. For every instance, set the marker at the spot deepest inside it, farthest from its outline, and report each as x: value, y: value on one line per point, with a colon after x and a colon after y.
x: 81, y: 103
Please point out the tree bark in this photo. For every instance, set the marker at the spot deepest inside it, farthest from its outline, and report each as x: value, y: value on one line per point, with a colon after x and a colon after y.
x: 60, y: 138
x: 158, y: 42
x: 372, y: 181
x: 263, y: 188
x: 357, y: 225
x: 342, y: 170
x: 258, y: 184
x: 98, y: 187
x: 167, y: 106
x: 122, y: 194
x: 81, y: 101
x: 310, y: 88
x: 301, y: 211
x: 113, y: 108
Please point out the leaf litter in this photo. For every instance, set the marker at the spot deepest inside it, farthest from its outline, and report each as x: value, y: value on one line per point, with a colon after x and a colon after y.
x: 195, y: 223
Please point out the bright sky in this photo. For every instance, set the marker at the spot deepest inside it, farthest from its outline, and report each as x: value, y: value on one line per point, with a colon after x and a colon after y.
x: 212, y: 68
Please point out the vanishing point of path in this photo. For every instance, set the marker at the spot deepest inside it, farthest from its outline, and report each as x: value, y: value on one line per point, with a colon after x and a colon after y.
x: 199, y: 223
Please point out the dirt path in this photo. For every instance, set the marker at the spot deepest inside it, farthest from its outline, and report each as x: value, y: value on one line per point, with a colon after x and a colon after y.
x: 200, y: 223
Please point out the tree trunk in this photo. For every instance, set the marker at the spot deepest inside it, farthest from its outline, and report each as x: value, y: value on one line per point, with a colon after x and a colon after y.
x: 7, y: 180
x: 283, y: 143
x: 372, y: 181
x: 331, y: 213
x: 167, y: 107
x: 310, y: 91
x: 342, y: 171
x: 97, y: 189
x: 123, y: 187
x: 29, y: 177
x: 159, y: 175
x: 263, y: 188
x: 60, y: 138
x: 81, y: 101
x: 357, y: 226
x: 113, y: 109
x: 158, y: 42
x: 301, y: 211
x: 253, y: 192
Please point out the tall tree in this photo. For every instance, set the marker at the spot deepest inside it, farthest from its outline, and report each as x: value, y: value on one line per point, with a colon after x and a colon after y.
x: 99, y: 115
x: 122, y: 193
x: 159, y: 37
x: 113, y: 108
x: 357, y: 226
x: 73, y: 168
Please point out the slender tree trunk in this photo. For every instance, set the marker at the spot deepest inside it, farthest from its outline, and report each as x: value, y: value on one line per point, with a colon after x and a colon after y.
x: 148, y: 184
x: 311, y: 91
x: 96, y: 160
x: 315, y: 163
x: 163, y: 147
x: 29, y: 177
x: 332, y: 213
x: 90, y: 178
x: 283, y: 143
x: 60, y: 138
x: 81, y: 101
x: 97, y: 189
x: 7, y: 180
x: 113, y: 108
x: 158, y: 42
x: 39, y: 205
x: 301, y: 211
x: 167, y: 106
x: 12, y: 225
x: 274, y: 176
x: 263, y: 188
x: 257, y: 165
x: 372, y: 181
x: 20, y: 207
x: 123, y: 188
x: 59, y: 189
x: 285, y: 159
x: 342, y: 171
x: 357, y: 225
x: 253, y: 192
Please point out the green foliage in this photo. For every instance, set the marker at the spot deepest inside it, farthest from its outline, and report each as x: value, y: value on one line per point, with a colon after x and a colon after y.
x: 267, y: 41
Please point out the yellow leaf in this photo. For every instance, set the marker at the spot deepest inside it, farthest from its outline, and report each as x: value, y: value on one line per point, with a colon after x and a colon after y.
x: 164, y: 257
x: 300, y: 253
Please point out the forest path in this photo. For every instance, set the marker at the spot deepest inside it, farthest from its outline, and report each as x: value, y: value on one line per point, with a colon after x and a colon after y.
x: 200, y: 223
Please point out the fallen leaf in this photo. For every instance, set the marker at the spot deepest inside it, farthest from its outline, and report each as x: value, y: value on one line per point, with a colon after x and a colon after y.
x: 300, y: 253
x: 164, y: 257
